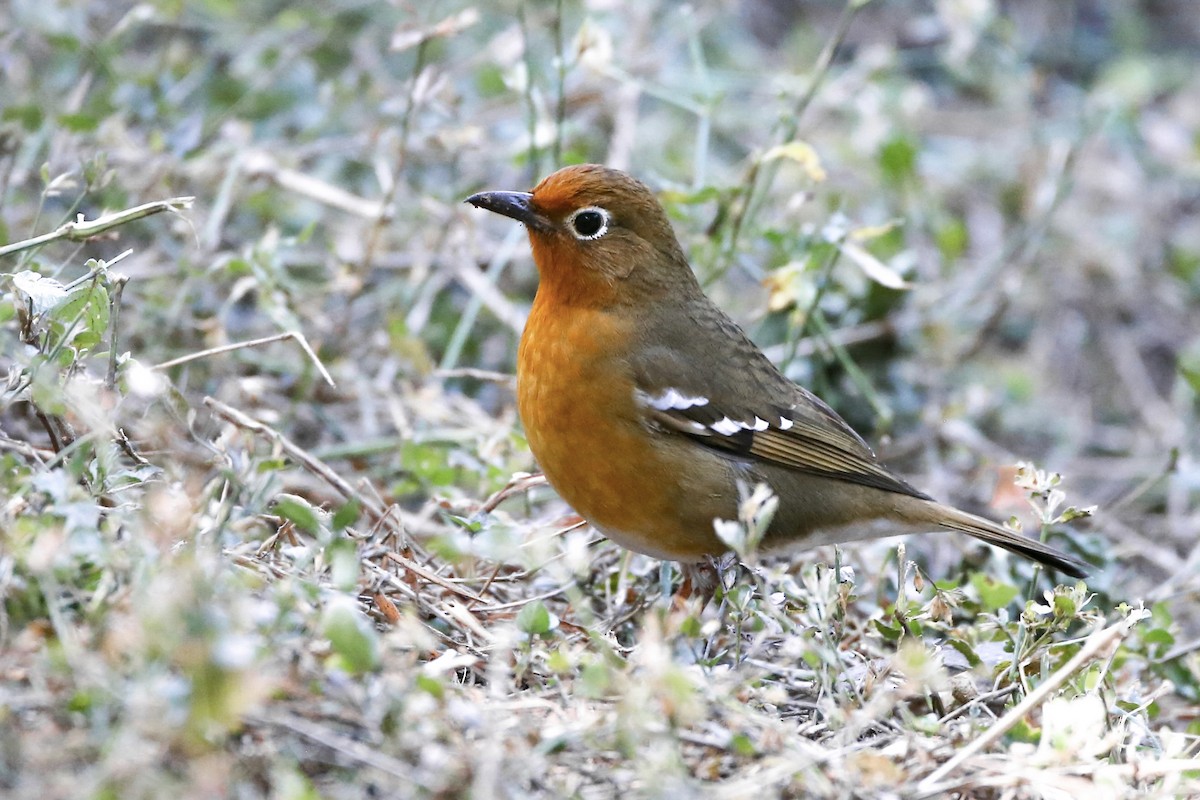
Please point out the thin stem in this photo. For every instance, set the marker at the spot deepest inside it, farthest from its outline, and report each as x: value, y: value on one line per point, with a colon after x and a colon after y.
x: 530, y: 105
x: 466, y: 322
x: 114, y: 316
x: 857, y: 376
x: 82, y: 229
x: 560, y: 111
x: 385, y: 205
x: 758, y: 180
x: 806, y: 323
x: 227, y: 348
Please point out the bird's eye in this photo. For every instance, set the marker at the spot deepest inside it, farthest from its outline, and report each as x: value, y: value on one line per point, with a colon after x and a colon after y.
x: 588, y: 223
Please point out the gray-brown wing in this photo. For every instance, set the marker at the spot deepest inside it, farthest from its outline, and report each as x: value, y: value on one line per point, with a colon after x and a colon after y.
x: 744, y: 406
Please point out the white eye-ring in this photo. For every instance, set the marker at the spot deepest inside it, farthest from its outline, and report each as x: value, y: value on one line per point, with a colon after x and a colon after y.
x: 588, y: 223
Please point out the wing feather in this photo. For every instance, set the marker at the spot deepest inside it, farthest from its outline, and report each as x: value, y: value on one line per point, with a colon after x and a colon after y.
x: 824, y: 445
x: 712, y: 384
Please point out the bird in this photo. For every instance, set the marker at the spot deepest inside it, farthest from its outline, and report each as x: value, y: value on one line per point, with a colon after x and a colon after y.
x: 650, y: 411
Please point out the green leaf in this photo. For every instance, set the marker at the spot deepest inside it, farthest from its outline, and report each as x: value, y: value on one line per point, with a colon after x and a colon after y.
x: 898, y: 160
x: 351, y: 635
x: 596, y: 679
x: 890, y: 632
x: 1024, y: 732
x: 992, y: 593
x: 79, y: 123
x: 299, y: 511
x: 489, y: 80
x: 345, y: 516
x: 271, y: 465
x: 1064, y: 606
x: 86, y: 340
x: 431, y: 685
x: 84, y: 313
x: 82, y: 701
x: 1071, y: 513
x: 288, y: 783
x: 966, y: 651
x: 559, y: 662
x: 1161, y: 639
x: 29, y: 115
x: 691, y: 627
x: 1189, y: 370
x: 1160, y: 614
x: 428, y: 463
x: 742, y: 745
x: 952, y: 239
x: 534, y: 619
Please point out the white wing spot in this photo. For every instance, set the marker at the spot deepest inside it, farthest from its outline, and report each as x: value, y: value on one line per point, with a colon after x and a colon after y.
x: 726, y: 427
x: 785, y: 423
x: 760, y: 424
x: 674, y: 400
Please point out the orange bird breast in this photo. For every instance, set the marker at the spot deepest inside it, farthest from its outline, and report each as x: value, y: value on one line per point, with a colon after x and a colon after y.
x: 588, y: 436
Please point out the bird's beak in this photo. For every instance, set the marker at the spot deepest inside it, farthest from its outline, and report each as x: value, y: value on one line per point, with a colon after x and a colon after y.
x: 516, y: 205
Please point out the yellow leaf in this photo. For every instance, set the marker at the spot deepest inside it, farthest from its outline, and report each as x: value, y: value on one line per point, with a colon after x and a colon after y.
x: 869, y: 232
x: 787, y: 287
x: 803, y: 154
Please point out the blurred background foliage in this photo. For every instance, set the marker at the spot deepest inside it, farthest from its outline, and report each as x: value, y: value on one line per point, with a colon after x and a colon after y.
x: 971, y: 226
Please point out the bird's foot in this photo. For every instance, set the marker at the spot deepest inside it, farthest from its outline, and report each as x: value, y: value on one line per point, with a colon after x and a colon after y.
x: 700, y: 580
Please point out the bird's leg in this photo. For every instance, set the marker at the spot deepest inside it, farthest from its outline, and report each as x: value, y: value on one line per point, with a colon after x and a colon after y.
x: 701, y: 580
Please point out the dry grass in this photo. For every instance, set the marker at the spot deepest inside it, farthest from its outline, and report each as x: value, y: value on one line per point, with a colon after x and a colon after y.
x: 266, y: 522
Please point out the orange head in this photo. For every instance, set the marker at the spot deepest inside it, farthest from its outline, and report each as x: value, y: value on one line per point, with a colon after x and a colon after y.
x: 598, y: 236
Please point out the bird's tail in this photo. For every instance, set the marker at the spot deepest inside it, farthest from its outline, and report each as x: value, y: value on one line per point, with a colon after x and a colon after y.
x: 993, y: 533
